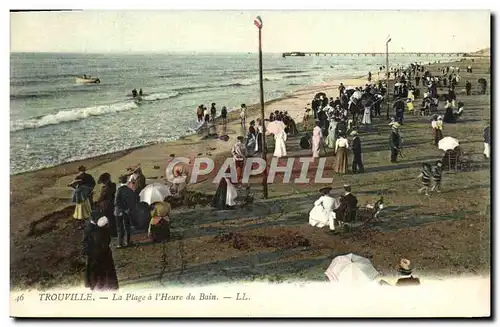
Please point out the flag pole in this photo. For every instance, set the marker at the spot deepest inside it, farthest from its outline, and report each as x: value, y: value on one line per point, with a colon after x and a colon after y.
x: 262, y: 116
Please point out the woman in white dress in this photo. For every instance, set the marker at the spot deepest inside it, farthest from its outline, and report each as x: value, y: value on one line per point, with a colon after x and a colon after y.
x: 367, y: 119
x: 323, y: 211
x: 316, y: 140
x: 279, y: 145
x: 330, y: 139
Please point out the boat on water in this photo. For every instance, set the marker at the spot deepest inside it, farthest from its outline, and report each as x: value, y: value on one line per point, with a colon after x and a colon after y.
x: 87, y: 80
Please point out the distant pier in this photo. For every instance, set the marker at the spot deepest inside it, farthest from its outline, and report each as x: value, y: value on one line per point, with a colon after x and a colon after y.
x: 374, y: 54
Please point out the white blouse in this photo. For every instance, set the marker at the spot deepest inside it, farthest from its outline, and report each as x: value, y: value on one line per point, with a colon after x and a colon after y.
x: 341, y: 143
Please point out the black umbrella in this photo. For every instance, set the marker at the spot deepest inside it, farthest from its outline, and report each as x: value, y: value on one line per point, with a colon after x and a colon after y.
x: 320, y: 94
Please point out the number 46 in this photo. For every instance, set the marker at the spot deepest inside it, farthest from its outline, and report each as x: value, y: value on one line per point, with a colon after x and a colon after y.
x: 20, y: 298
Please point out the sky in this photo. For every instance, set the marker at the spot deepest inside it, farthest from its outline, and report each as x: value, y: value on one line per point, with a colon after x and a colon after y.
x: 233, y: 31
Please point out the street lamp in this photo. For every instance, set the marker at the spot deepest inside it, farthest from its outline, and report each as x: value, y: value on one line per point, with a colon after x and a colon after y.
x: 387, y: 73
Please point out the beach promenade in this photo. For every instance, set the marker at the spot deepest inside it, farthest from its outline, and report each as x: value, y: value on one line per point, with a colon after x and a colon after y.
x: 444, y: 234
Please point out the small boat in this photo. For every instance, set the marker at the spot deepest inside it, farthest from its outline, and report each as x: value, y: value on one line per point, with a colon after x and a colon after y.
x: 87, y: 80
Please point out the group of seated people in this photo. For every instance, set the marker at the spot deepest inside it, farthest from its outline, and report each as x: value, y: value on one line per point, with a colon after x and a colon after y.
x: 327, y: 209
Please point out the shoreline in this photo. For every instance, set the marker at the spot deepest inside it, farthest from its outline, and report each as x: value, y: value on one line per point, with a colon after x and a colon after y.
x: 198, y: 131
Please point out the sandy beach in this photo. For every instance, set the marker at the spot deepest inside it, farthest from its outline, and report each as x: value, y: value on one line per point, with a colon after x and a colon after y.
x: 446, y: 234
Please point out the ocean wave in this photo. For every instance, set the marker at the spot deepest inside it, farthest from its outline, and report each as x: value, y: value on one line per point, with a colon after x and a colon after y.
x: 160, y: 96
x: 65, y: 116
x: 297, y: 76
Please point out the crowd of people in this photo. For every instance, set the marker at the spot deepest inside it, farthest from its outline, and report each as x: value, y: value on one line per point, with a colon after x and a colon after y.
x: 111, y: 215
x: 332, y: 120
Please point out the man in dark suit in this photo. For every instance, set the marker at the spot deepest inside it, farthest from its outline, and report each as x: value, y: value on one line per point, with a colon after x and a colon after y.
x: 125, y: 202
x: 395, y: 142
x: 349, y: 198
x: 346, y: 212
x: 357, y: 161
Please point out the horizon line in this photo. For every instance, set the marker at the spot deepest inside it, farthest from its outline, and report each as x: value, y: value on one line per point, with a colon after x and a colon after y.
x: 239, y: 52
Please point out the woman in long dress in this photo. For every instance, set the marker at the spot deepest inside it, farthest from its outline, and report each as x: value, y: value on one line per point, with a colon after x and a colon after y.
x: 226, y: 194
x: 280, y: 146
x: 81, y: 199
x: 323, y: 211
x: 330, y: 139
x: 341, y: 149
x: 106, y: 201
x: 367, y: 120
x: 100, y: 273
x: 316, y: 140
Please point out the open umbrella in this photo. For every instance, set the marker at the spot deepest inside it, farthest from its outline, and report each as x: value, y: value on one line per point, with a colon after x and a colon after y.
x: 351, y: 268
x: 275, y: 127
x: 320, y: 94
x: 357, y: 95
x: 350, y: 88
x: 448, y: 143
x: 155, y: 192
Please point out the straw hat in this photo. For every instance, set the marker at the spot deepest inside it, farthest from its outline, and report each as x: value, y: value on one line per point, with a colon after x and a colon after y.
x: 395, y: 125
x: 405, y: 266
x: 353, y: 133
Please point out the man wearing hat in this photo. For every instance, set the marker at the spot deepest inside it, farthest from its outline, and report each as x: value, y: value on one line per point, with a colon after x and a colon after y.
x: 405, y: 270
x: 125, y: 203
x: 357, y: 161
x: 395, y: 142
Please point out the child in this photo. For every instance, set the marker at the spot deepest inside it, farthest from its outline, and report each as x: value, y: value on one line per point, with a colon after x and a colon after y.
x: 425, y: 175
x: 437, y: 173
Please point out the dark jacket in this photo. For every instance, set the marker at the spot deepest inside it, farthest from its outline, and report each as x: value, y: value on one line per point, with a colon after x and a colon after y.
x: 87, y: 180
x: 351, y: 200
x: 125, y: 200
x: 394, y: 140
x: 408, y: 281
x: 81, y: 193
x: 486, y: 135
x: 356, y: 145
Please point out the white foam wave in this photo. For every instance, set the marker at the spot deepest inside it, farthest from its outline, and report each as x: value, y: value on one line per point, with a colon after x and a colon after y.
x: 160, y: 96
x: 65, y: 116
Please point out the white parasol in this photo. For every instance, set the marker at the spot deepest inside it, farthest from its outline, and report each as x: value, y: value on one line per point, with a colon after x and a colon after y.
x: 350, y: 88
x: 275, y: 127
x: 155, y: 192
x: 351, y: 268
x: 448, y: 143
x: 357, y: 95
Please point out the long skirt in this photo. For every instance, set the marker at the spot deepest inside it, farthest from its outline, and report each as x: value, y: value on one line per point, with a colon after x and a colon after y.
x: 316, y: 141
x: 101, y: 273
x: 83, y: 210
x: 341, y: 162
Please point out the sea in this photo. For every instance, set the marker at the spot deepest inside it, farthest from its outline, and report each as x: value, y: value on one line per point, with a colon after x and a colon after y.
x: 54, y: 120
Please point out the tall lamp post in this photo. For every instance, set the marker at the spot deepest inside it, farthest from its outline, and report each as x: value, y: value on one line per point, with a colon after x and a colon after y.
x: 258, y: 22
x: 387, y: 72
